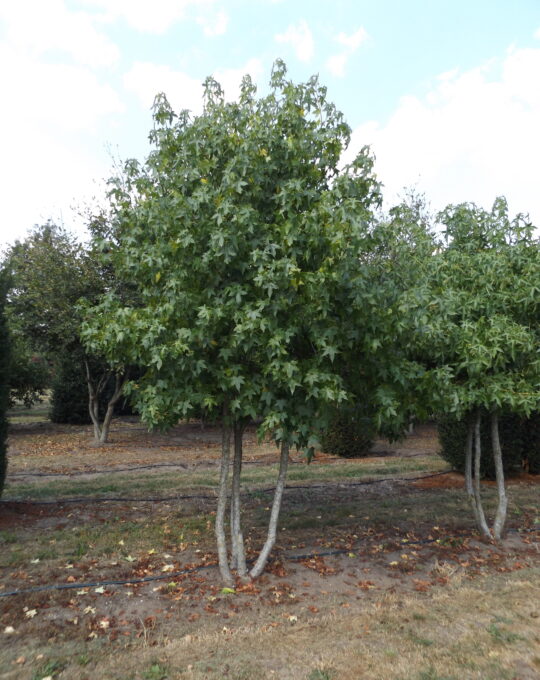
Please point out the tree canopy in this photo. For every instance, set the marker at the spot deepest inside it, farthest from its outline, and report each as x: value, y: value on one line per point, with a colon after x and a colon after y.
x: 237, y: 230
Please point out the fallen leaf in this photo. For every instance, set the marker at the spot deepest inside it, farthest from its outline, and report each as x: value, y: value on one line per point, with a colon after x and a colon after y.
x: 31, y: 613
x: 99, y: 589
x: 168, y: 567
x: 9, y: 630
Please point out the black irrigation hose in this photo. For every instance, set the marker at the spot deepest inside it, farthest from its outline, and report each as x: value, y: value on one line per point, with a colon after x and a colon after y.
x: 130, y: 469
x: 209, y: 463
x: 121, y: 499
x: 201, y: 567
x: 94, y: 472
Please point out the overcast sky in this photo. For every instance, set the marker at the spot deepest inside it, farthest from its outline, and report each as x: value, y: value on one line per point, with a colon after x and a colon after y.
x: 447, y: 93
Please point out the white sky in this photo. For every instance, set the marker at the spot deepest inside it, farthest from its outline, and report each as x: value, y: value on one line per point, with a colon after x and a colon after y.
x: 447, y: 95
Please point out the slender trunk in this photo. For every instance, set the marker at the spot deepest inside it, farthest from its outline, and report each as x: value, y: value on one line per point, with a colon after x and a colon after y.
x: 222, y: 502
x: 92, y: 403
x: 234, y: 506
x: 500, y: 516
x: 259, y: 565
x: 481, y: 519
x: 120, y: 380
x: 238, y: 557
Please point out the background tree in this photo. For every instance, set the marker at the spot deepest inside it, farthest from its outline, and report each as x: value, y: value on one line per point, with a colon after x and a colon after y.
x: 240, y: 231
x: 31, y: 373
x: 483, y: 329
x: 4, y: 376
x: 51, y: 273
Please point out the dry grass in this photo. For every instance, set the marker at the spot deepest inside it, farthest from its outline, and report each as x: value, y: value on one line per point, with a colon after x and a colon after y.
x: 482, y: 630
x: 411, y: 596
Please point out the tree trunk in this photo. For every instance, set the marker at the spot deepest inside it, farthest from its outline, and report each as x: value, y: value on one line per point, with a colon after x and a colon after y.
x: 101, y: 430
x: 500, y: 516
x: 480, y: 517
x: 238, y: 554
x: 120, y: 380
x: 259, y: 565
x: 93, y: 404
x: 222, y: 502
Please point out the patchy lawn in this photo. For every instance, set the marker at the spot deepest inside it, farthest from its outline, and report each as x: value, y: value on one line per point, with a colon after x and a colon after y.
x: 378, y: 572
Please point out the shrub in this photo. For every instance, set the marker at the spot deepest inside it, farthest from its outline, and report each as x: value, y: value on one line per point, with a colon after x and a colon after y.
x: 453, y: 435
x: 4, y: 379
x: 350, y: 433
x: 531, y: 443
x: 69, y: 401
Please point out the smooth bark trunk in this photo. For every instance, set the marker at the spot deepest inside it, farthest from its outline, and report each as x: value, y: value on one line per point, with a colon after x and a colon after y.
x: 238, y: 554
x: 480, y: 516
x: 101, y: 430
x: 222, y: 503
x: 260, y: 564
x: 500, y: 515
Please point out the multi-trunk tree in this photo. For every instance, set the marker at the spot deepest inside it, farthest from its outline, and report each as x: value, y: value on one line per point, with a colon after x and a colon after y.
x: 482, y: 328
x: 51, y: 273
x: 243, y: 236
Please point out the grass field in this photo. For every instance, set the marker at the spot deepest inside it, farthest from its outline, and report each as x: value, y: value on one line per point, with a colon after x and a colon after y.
x: 378, y: 572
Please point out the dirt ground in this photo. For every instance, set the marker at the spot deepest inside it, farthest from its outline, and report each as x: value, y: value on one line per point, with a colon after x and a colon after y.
x: 347, y: 546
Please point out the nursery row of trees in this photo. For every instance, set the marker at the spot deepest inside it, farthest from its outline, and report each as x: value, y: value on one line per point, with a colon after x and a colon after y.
x: 249, y: 274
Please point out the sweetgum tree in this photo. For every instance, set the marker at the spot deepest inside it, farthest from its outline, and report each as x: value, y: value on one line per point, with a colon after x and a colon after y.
x: 483, y: 329
x: 242, y: 233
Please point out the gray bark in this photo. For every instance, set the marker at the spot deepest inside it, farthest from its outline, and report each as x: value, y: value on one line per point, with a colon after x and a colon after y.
x: 222, y: 503
x: 500, y: 515
x: 101, y: 430
x: 238, y: 554
x: 93, y: 402
x: 480, y: 517
x: 106, y: 425
x: 259, y: 565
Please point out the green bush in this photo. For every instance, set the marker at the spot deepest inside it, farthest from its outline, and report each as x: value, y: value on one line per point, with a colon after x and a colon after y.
x: 453, y: 435
x: 4, y: 379
x: 350, y: 433
x: 531, y: 443
x: 69, y: 401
